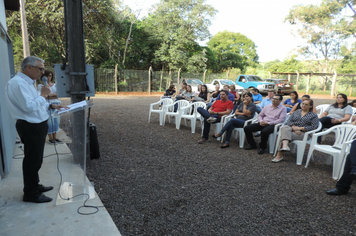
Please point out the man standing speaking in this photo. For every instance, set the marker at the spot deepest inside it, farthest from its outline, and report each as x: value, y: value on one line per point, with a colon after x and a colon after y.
x: 29, y: 108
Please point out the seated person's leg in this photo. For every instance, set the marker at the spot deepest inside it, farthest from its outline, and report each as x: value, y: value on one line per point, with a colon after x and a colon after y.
x: 265, y: 132
x: 248, y: 132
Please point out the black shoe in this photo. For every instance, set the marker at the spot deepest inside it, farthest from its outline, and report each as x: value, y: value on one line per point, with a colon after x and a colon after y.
x: 352, y: 175
x: 226, y: 145
x: 336, y: 191
x: 250, y: 147
x: 261, y: 151
x: 42, y: 189
x: 37, y: 198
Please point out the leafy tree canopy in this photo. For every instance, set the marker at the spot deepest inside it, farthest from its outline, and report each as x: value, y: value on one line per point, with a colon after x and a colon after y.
x: 233, y: 50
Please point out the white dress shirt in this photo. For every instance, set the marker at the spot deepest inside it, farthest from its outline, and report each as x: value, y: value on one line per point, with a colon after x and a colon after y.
x: 24, y: 102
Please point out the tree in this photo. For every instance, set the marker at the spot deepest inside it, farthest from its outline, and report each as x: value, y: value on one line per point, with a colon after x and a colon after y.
x: 317, y: 24
x: 177, y: 25
x: 233, y: 50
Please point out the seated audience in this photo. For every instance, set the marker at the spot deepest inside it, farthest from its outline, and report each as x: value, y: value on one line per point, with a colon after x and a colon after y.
x: 266, y: 101
x: 353, y: 104
x: 271, y: 115
x: 220, y: 108
x: 292, y: 101
x: 203, y: 95
x: 189, y: 94
x: 299, y: 122
x: 336, y: 113
x: 170, y: 92
x: 236, y: 95
x: 349, y: 175
x: 230, y: 95
x: 299, y: 105
x: 257, y: 97
x: 196, y: 93
x: 244, y: 111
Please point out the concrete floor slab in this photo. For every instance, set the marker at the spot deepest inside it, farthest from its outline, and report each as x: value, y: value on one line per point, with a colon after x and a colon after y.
x: 22, y: 218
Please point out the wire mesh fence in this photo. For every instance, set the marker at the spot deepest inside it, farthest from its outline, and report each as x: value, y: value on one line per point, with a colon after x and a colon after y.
x: 138, y: 81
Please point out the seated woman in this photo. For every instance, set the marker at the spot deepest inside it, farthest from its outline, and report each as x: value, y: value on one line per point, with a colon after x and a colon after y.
x: 292, y: 101
x: 353, y: 104
x: 257, y: 97
x: 299, y: 122
x: 189, y: 94
x: 170, y: 92
x: 336, y: 113
x: 244, y: 111
x: 298, y: 106
x: 181, y: 91
x: 233, y: 91
x: 203, y: 95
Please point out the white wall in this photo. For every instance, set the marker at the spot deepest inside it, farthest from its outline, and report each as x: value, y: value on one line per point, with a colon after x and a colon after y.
x: 7, y: 124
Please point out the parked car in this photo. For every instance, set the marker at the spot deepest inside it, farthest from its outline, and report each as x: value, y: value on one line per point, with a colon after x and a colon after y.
x: 254, y: 81
x: 222, y: 82
x: 194, y: 83
x: 283, y: 85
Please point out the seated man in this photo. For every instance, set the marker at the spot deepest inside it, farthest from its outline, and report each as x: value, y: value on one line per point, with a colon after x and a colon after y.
x: 271, y: 115
x: 220, y: 108
x: 231, y: 97
x: 266, y: 101
x: 344, y: 183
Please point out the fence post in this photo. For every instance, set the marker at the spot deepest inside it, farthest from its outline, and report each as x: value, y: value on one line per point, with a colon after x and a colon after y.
x: 227, y: 74
x: 288, y: 77
x: 116, y: 79
x: 269, y: 74
x: 149, y: 80
x: 307, y: 88
x: 178, y: 76
x: 333, y: 85
x: 204, y: 77
x: 297, y: 82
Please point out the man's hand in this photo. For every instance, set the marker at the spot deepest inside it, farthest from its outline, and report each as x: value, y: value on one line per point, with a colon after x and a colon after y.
x: 59, y: 107
x: 211, y: 112
x: 263, y: 123
x: 45, y: 91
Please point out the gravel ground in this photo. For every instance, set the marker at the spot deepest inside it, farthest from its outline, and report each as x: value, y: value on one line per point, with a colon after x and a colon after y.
x: 157, y: 180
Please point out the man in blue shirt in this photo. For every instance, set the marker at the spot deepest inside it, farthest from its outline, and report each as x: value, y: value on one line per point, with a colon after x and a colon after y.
x: 266, y: 101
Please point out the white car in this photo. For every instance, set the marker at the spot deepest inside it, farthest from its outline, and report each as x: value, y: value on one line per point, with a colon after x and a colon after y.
x: 194, y: 83
x: 222, y: 82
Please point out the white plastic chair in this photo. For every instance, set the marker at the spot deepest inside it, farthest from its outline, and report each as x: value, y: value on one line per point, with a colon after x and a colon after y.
x: 299, y: 145
x: 168, y: 110
x: 163, y: 102
x: 185, y: 113
x: 239, y: 131
x: 343, y: 133
x: 343, y: 154
x: 321, y: 108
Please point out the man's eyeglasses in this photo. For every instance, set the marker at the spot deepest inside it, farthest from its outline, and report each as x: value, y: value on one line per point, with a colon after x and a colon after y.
x: 40, y: 68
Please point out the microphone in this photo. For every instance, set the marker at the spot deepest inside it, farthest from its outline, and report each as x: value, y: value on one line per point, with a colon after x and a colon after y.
x: 44, y: 79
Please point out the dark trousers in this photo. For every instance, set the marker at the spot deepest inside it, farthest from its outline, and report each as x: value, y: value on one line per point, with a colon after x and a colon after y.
x: 33, y: 136
x: 230, y: 126
x: 265, y: 132
x: 344, y: 182
x: 204, y: 113
x: 325, y: 123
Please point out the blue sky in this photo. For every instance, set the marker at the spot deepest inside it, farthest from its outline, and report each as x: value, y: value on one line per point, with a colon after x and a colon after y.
x: 259, y: 20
